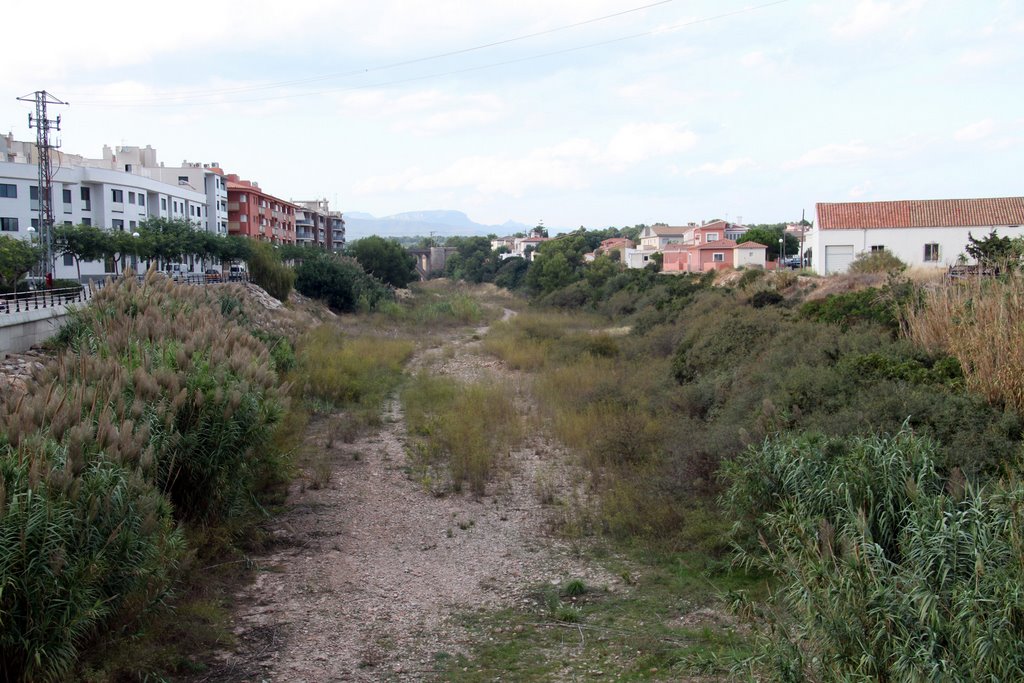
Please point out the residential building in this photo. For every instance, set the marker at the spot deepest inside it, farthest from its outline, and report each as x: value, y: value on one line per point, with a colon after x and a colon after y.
x: 619, y: 244
x: 929, y: 232
x: 656, y: 237
x: 713, y: 254
x: 317, y: 225
x: 258, y: 215
x: 106, y: 198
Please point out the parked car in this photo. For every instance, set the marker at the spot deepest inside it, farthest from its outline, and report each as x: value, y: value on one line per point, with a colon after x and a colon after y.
x: 213, y: 275
x: 791, y: 262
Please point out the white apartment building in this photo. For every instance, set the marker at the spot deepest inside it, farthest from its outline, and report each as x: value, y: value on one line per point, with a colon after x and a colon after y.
x: 116, y: 200
x: 207, y: 178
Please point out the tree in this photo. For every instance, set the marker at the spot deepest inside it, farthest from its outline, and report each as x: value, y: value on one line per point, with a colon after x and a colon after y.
x: 994, y: 251
x: 82, y: 242
x: 474, y: 261
x: 17, y: 257
x: 340, y: 281
x: 267, y: 271
x: 769, y: 235
x: 385, y: 259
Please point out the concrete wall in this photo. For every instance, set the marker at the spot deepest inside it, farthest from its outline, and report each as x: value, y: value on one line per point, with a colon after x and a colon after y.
x: 21, y: 331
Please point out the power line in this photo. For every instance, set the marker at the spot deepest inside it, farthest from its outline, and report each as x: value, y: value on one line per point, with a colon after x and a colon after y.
x: 163, y: 101
x: 409, y: 62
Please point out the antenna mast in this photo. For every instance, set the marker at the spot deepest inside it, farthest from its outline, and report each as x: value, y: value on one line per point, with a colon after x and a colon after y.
x: 42, y: 124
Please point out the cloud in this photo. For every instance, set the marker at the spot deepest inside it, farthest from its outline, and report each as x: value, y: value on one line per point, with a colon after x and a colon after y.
x: 568, y: 165
x: 831, y: 155
x: 424, y: 112
x: 872, y: 16
x: 638, y: 142
x: 754, y: 59
x: 726, y: 167
x: 860, y: 190
x: 975, y: 131
x: 978, y: 57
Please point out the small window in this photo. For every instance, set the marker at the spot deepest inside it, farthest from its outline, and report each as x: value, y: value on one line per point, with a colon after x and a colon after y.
x: 718, y: 257
x: 67, y: 223
x: 127, y: 168
x: 183, y: 180
x: 877, y: 247
x: 132, y: 224
x: 69, y: 260
x: 9, y: 224
x: 931, y: 253
x: 8, y: 191
x: 117, y: 224
x: 117, y: 196
x: 142, y: 199
x: 131, y: 197
x: 33, y: 193
x: 244, y: 198
x: 34, y: 223
x: 86, y: 221
x: 712, y: 237
x: 85, y: 194
x: 163, y: 203
x: 66, y: 194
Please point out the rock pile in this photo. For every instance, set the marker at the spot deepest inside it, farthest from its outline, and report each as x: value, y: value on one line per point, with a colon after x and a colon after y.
x: 16, y: 369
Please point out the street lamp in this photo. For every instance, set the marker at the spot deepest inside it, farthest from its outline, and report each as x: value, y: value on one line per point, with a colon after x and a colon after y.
x: 135, y: 254
x: 782, y: 251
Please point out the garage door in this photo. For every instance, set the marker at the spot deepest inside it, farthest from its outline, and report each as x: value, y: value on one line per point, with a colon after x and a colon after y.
x: 838, y: 258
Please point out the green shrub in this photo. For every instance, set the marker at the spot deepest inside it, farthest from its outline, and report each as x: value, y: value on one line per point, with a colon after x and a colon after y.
x: 865, y: 305
x: 887, y: 570
x: 877, y: 262
x: 341, y: 283
x: 766, y: 297
x: 267, y: 271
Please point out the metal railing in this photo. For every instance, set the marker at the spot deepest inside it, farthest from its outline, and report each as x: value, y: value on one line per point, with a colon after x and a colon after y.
x: 18, y: 302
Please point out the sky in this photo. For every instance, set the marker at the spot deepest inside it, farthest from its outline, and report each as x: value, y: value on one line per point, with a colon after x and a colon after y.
x: 571, y: 112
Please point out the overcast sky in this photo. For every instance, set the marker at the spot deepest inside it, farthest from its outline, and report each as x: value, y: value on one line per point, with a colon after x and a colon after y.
x: 615, y: 114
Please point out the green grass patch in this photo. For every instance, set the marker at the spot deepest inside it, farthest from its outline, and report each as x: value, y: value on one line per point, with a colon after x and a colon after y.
x: 666, y: 624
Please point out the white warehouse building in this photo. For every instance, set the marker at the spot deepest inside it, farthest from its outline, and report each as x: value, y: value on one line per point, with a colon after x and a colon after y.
x: 930, y: 232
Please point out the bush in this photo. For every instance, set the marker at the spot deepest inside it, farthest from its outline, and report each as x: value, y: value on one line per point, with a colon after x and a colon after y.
x: 267, y: 271
x: 159, y: 408
x: 865, y: 305
x: 341, y: 282
x: 877, y: 262
x: 386, y: 260
x: 887, y: 569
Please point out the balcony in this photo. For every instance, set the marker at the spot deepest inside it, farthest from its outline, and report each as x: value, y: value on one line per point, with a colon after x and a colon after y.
x: 232, y: 206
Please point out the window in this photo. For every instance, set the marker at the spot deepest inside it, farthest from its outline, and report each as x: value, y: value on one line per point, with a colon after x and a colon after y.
x: 132, y: 224
x: 8, y: 191
x: 718, y: 257
x: 131, y: 197
x: 117, y: 196
x: 877, y: 247
x: 9, y: 224
x: 67, y: 222
x: 163, y: 203
x: 244, y: 198
x: 69, y: 260
x: 35, y: 223
x: 86, y: 221
x: 33, y: 193
x: 66, y: 194
x: 931, y: 253
x: 712, y: 237
x: 142, y: 199
x: 86, y: 199
x: 183, y: 180
x: 117, y: 224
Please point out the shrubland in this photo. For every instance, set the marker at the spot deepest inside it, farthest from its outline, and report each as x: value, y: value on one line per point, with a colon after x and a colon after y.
x: 154, y: 420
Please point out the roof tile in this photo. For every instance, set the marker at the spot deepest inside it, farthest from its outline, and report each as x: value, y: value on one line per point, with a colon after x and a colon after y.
x: 922, y: 213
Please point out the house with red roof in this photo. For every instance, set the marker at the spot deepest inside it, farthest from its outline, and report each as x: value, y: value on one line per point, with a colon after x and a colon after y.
x: 928, y: 232
x: 707, y: 247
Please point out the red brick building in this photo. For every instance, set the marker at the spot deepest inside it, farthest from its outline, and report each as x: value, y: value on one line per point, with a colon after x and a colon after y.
x: 255, y: 214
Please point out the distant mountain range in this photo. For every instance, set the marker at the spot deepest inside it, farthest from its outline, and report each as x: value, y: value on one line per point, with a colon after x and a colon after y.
x: 412, y: 223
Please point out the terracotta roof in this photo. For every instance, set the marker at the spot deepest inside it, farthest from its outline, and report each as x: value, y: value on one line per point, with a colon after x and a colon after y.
x: 923, y: 213
x: 666, y: 230
x: 718, y: 244
x: 751, y: 243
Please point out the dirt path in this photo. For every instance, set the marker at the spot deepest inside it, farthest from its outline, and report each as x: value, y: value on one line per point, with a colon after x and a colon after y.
x: 371, y: 570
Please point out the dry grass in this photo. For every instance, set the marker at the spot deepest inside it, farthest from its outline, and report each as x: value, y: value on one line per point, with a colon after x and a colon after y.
x: 981, y: 323
x: 462, y: 428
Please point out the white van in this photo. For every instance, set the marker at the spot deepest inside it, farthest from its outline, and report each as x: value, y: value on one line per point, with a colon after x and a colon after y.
x: 237, y: 272
x: 176, y: 270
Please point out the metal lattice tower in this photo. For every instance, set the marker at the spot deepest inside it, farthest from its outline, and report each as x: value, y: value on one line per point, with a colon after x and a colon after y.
x: 42, y: 124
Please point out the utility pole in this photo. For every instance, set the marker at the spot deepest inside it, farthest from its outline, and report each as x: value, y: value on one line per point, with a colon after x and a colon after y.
x: 42, y: 124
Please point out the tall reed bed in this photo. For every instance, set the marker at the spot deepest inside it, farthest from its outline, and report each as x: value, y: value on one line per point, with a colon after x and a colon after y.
x: 979, y: 321
x: 158, y: 410
x: 460, y: 431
